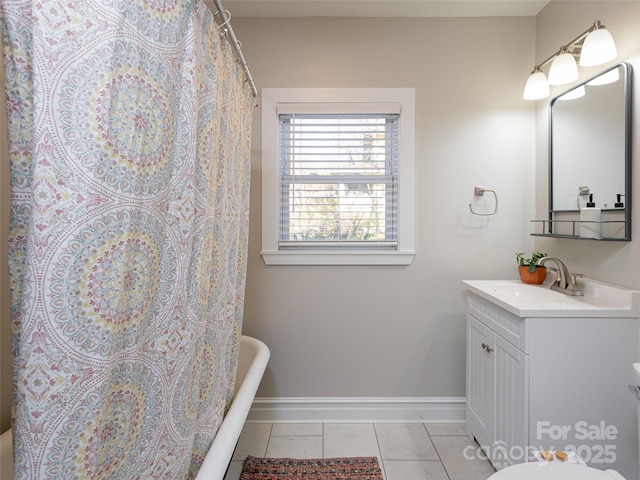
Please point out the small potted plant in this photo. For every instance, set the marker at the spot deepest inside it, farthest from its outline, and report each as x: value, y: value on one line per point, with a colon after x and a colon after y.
x: 529, y: 271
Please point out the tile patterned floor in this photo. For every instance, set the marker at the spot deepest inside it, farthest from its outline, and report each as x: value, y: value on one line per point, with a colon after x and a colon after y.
x: 413, y: 451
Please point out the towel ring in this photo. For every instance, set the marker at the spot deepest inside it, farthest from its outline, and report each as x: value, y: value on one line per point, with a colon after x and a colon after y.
x: 480, y: 191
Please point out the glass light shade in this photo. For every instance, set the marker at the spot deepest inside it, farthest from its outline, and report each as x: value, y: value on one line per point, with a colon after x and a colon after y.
x: 573, y: 94
x: 598, y: 48
x: 605, y: 79
x: 563, y: 70
x: 536, y: 87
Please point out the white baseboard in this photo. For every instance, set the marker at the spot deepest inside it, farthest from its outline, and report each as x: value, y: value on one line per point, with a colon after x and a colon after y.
x: 358, y: 409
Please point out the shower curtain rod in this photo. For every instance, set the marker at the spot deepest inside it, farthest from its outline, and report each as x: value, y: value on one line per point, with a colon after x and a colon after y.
x: 228, y: 30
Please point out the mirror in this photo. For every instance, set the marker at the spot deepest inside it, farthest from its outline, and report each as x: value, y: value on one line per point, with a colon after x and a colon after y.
x: 590, y: 155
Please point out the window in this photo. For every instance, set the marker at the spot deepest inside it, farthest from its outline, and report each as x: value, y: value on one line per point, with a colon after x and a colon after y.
x: 337, y: 179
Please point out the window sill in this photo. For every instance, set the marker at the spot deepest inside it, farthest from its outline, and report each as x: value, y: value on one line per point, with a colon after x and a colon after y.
x: 337, y: 258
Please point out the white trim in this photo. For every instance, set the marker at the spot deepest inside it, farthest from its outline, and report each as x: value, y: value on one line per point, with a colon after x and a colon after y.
x: 358, y: 409
x: 274, y: 98
x: 336, y: 258
x: 339, y: 107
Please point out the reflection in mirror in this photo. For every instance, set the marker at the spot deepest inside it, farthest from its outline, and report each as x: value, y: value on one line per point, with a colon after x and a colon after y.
x: 590, y: 155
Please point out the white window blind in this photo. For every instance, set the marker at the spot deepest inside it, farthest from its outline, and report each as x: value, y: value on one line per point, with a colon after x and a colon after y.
x: 338, y: 180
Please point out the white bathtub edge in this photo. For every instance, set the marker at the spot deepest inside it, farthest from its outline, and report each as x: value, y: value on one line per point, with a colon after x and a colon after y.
x: 257, y: 354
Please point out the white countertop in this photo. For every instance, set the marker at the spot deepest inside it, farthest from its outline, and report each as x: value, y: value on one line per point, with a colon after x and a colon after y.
x: 599, y: 300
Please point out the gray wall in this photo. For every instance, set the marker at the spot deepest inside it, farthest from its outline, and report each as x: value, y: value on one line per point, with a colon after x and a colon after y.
x: 399, y: 331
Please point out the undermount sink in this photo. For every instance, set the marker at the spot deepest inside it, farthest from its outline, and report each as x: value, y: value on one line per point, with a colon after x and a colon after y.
x: 599, y: 300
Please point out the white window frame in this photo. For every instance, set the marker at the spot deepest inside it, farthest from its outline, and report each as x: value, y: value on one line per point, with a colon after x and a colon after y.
x: 348, y: 98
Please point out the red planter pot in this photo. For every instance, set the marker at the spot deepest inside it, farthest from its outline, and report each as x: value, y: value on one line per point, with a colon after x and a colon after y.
x: 535, y: 278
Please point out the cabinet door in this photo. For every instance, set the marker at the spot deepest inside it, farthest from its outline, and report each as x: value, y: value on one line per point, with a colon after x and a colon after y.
x: 480, y: 382
x: 511, y: 401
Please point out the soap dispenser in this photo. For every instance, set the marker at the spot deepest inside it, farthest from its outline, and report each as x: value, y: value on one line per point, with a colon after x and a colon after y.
x: 590, y: 220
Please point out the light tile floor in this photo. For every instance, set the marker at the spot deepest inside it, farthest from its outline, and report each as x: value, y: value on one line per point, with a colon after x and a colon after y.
x: 406, y: 451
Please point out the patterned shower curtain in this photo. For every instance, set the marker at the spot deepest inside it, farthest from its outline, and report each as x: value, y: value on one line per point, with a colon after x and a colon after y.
x: 129, y: 131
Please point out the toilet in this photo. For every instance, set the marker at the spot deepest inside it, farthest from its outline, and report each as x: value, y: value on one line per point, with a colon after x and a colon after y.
x: 565, y: 471
x: 554, y: 471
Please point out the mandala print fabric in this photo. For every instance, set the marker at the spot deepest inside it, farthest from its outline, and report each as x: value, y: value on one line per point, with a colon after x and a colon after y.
x: 129, y: 126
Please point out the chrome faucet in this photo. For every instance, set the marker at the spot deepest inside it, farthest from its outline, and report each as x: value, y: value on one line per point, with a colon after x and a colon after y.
x: 566, y: 282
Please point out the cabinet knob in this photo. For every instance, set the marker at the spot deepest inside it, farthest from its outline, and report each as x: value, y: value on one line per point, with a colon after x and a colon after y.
x: 487, y: 348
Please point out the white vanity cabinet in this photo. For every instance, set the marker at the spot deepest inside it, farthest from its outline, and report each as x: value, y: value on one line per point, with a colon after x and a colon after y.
x: 497, y: 387
x: 551, y: 383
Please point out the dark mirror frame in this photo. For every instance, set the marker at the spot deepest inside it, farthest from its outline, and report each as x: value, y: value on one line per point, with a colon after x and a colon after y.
x: 626, y: 76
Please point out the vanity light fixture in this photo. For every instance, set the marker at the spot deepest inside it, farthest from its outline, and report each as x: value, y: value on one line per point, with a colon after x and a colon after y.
x: 598, y: 47
x: 564, y: 68
x: 537, y: 85
x: 594, y: 46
